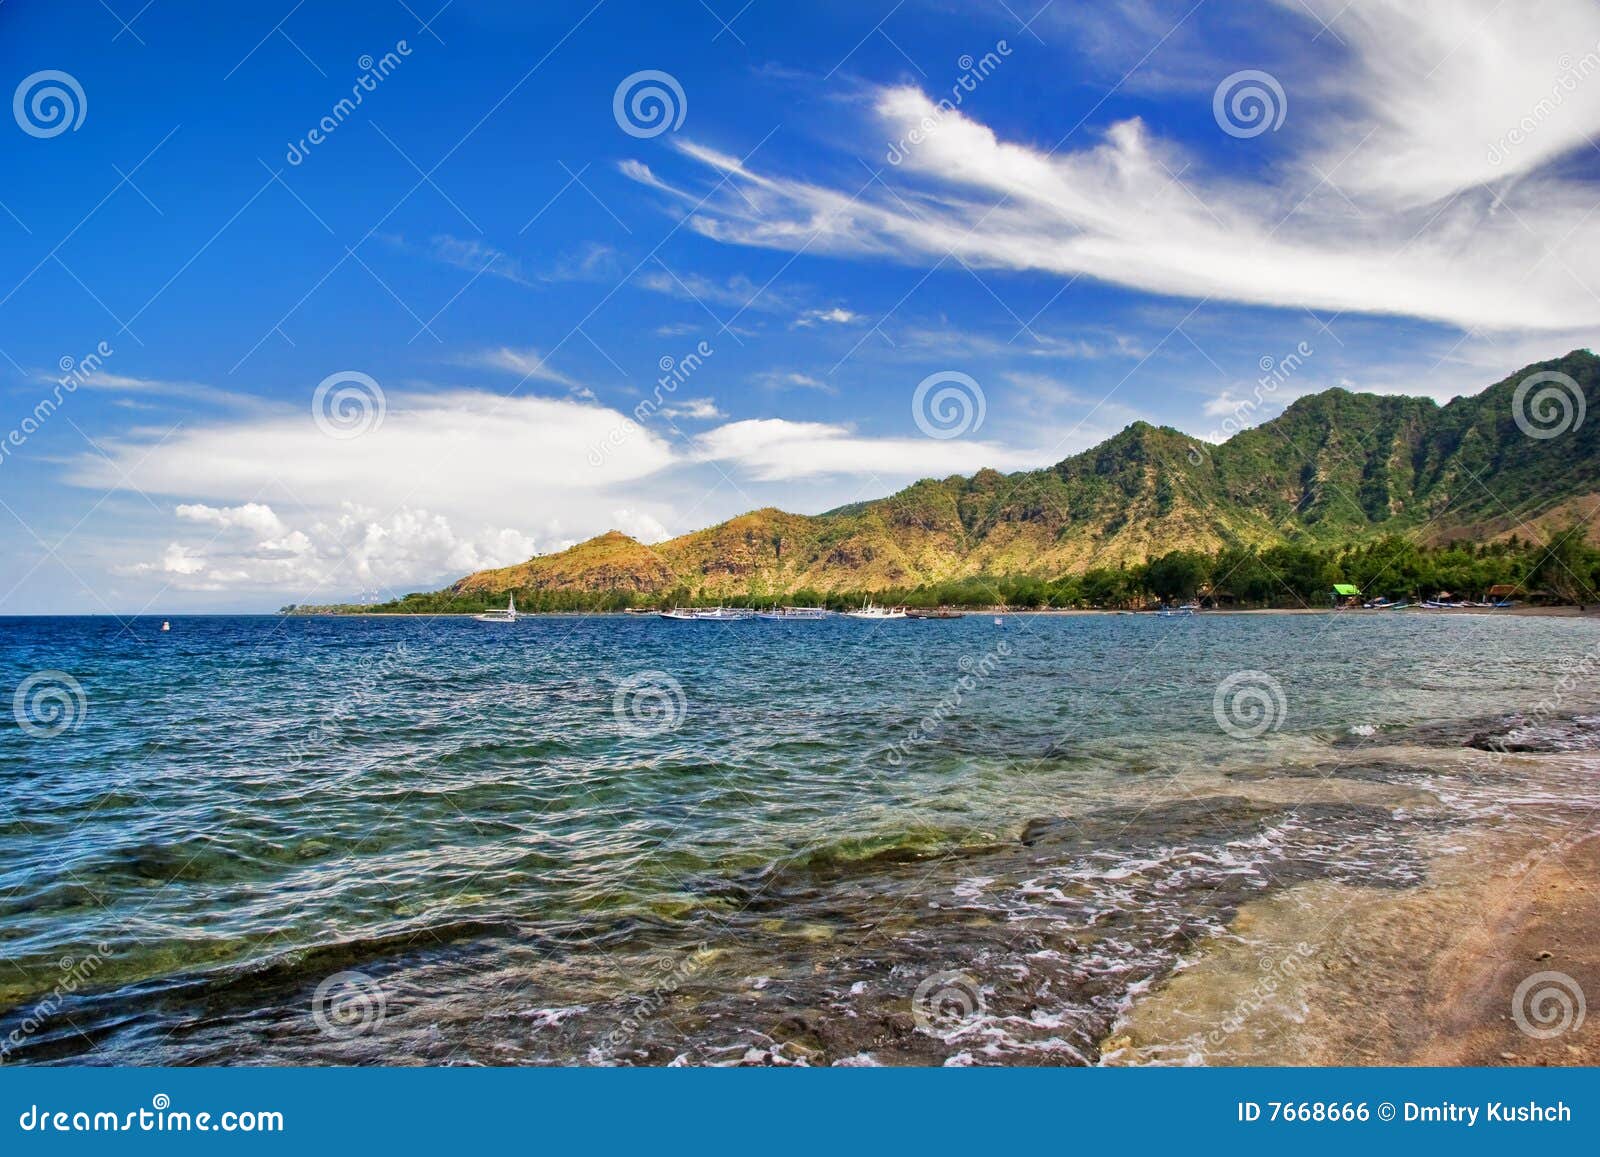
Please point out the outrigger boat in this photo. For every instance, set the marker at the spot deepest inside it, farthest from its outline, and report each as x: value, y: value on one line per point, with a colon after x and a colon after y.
x: 794, y: 614
x: 709, y: 615
x: 509, y: 615
x: 872, y: 611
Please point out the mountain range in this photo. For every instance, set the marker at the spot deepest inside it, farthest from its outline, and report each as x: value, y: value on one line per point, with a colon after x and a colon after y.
x: 1334, y: 467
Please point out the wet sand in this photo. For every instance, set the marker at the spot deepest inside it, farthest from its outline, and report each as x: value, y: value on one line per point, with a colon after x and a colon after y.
x: 1546, y: 920
x: 1327, y: 973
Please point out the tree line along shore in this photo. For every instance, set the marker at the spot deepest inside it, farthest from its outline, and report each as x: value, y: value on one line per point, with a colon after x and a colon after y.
x: 1562, y: 571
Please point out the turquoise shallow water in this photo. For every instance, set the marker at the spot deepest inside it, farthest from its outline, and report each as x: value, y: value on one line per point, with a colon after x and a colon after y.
x: 244, y: 791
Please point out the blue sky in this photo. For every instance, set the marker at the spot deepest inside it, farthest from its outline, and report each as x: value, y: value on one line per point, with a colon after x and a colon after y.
x: 485, y: 270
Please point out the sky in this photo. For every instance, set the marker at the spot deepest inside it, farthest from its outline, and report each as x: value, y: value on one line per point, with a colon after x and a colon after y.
x: 304, y: 302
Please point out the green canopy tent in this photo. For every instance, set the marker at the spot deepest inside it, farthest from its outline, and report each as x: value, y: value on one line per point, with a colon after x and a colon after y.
x: 1346, y: 594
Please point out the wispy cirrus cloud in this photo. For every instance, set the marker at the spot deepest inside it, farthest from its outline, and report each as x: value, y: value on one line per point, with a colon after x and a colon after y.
x: 527, y: 364
x: 1396, y: 196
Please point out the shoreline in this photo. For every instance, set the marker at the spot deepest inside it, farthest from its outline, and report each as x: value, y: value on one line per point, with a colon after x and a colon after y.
x: 1561, y: 612
x: 1428, y: 976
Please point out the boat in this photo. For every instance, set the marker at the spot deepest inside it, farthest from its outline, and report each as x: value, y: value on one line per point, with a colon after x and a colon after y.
x: 708, y: 614
x: 1176, y: 612
x: 793, y: 614
x: 875, y: 612
x: 509, y: 615
x: 941, y: 613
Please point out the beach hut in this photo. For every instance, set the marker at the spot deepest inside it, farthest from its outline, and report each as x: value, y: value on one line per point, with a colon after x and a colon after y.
x: 1500, y: 594
x: 1346, y: 595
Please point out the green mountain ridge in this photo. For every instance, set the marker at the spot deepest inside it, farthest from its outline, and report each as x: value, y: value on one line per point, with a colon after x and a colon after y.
x: 1335, y: 468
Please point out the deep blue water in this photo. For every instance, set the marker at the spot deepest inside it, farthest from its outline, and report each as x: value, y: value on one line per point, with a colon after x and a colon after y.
x: 239, y: 789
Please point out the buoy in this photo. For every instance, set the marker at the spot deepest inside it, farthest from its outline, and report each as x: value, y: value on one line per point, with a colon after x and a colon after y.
x: 166, y: 626
x: 999, y: 622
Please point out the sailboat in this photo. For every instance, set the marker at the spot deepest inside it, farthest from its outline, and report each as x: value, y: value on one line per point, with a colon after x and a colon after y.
x: 509, y: 615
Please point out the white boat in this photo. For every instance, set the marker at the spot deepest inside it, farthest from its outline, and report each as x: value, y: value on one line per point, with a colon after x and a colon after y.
x: 1176, y: 612
x: 724, y: 615
x: 709, y: 615
x: 875, y: 612
x: 509, y: 615
x: 793, y: 614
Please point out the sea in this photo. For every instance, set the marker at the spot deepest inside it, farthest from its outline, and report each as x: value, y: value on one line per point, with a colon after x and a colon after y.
x: 623, y: 840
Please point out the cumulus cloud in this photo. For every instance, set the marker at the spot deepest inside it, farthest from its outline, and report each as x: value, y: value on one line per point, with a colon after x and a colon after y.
x: 637, y: 524
x: 252, y: 516
x: 358, y: 548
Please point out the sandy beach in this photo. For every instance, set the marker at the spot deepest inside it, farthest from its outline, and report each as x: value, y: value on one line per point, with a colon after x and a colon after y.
x: 1326, y: 973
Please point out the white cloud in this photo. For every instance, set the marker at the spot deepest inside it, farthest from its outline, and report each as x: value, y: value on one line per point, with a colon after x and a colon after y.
x: 693, y: 409
x: 1388, y: 201
x: 773, y: 449
x: 356, y: 549
x: 736, y: 292
x: 459, y: 452
x: 252, y: 516
x: 161, y: 387
x: 1458, y: 95
x: 180, y: 560
x: 526, y: 363
x: 835, y: 316
x: 641, y: 172
x: 793, y: 380
x: 639, y: 525
x: 467, y: 253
